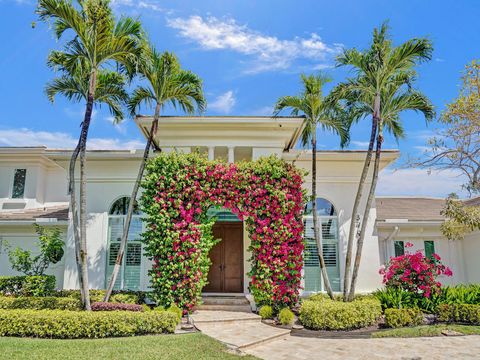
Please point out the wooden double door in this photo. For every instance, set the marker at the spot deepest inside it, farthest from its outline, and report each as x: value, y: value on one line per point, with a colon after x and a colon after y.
x: 226, y: 271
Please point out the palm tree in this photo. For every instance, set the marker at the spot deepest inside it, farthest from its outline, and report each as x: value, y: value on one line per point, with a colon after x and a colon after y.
x: 98, y: 41
x: 311, y: 103
x: 382, y: 89
x: 167, y: 84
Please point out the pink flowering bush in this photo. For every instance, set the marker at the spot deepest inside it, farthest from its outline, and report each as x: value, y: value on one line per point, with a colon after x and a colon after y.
x: 266, y: 194
x: 415, y: 272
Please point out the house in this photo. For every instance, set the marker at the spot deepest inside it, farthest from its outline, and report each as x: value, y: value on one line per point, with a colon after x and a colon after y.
x: 417, y: 220
x: 33, y: 188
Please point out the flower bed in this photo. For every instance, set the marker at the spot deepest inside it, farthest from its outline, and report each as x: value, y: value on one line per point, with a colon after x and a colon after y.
x: 109, y: 306
x: 320, y: 313
x: 81, y: 324
x: 267, y: 194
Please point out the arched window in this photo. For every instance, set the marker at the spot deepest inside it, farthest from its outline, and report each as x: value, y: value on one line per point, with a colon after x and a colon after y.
x: 328, y: 219
x: 130, y: 272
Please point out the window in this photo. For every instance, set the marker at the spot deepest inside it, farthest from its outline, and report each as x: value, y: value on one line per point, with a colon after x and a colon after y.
x: 130, y: 272
x: 327, y: 216
x: 399, y: 247
x: 19, y: 183
x: 429, y: 248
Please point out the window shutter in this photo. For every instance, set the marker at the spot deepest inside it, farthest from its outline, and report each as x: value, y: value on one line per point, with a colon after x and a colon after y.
x: 399, y: 248
x: 429, y: 248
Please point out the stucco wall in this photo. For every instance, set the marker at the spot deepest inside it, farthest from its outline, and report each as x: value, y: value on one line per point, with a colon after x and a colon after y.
x: 471, y: 257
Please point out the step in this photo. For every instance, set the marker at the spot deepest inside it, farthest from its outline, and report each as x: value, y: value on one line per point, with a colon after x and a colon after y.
x: 225, y: 300
x: 215, y: 316
x: 242, y: 334
x: 236, y: 308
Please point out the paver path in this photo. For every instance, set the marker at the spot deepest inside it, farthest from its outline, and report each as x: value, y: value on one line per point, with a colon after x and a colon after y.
x: 239, y: 330
x: 293, y: 347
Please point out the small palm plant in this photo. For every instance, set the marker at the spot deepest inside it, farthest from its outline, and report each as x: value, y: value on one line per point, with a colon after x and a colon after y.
x: 98, y: 41
x: 318, y: 112
x: 167, y: 84
x: 381, y: 89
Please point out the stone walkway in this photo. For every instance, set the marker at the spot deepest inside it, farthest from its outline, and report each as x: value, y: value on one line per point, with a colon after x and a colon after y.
x: 239, y: 330
x: 293, y: 347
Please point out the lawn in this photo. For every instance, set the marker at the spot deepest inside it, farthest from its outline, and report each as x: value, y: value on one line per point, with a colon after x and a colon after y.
x: 427, y: 330
x: 189, y: 346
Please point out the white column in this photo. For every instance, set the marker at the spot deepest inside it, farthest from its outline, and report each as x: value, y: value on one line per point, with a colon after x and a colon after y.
x: 211, y: 152
x: 231, y: 154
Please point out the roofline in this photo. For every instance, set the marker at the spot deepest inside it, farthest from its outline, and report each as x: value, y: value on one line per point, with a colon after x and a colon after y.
x: 31, y: 222
x: 385, y: 223
x: 408, y: 197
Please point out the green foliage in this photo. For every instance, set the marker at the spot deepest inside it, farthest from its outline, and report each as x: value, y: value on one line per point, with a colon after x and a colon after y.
x: 266, y: 312
x: 50, y: 245
x: 37, y: 285
x: 178, y: 190
x: 325, y: 314
x: 118, y: 296
x: 176, y: 310
x: 39, y: 303
x: 461, y: 219
x: 463, y: 313
x: 64, y: 324
x: 396, y: 318
x: 286, y: 316
x: 398, y: 298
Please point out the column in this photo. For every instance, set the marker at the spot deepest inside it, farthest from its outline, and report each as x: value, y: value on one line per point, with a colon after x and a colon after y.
x: 231, y: 154
x: 211, y: 152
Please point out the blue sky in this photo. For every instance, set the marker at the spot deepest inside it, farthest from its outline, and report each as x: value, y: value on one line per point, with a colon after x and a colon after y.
x: 248, y: 53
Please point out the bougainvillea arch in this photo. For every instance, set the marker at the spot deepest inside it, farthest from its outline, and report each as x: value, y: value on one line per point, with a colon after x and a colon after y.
x: 266, y: 194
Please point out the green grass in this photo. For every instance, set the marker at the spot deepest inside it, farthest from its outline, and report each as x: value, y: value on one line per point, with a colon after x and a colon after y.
x: 427, y: 330
x: 189, y: 346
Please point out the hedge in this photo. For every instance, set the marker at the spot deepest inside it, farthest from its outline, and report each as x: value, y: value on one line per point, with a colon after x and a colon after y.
x: 78, y: 324
x: 38, y: 285
x: 396, y: 318
x: 39, y: 303
x: 118, y: 296
x: 462, y: 313
x: 325, y: 314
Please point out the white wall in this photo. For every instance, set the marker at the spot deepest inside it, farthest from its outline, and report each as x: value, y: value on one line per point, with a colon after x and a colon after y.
x: 471, y: 257
x: 25, y: 238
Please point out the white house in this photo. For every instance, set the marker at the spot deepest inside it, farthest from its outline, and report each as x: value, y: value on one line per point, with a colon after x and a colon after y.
x: 33, y: 188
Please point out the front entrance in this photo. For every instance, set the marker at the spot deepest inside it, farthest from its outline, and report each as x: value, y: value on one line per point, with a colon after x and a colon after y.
x: 226, y: 271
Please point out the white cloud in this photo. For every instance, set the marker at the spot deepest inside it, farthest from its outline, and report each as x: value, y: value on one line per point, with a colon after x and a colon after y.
x: 269, y: 52
x: 121, y: 127
x: 223, y: 103
x: 360, y: 144
x: 61, y: 140
x: 139, y: 5
x: 419, y: 182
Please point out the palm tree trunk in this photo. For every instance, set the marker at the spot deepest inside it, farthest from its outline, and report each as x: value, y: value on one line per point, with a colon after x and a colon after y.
x: 316, y: 232
x: 371, y: 196
x: 83, y: 190
x: 133, y: 197
x: 73, y: 210
x: 356, y: 205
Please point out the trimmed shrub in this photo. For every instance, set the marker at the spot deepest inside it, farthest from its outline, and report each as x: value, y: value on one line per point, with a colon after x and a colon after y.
x: 286, y: 316
x: 39, y: 303
x: 326, y: 314
x: 37, y: 285
x: 78, y: 324
x: 463, y: 313
x: 396, y: 318
x: 266, y: 312
x: 176, y: 310
x: 118, y: 296
x: 108, y: 306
